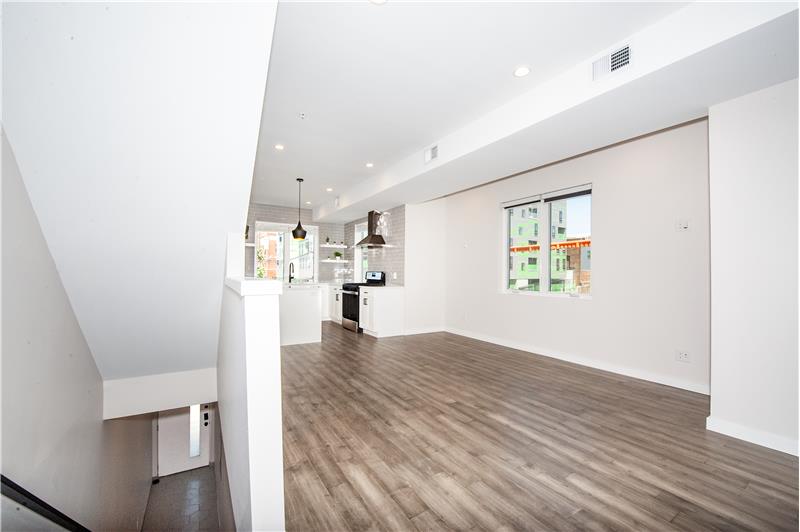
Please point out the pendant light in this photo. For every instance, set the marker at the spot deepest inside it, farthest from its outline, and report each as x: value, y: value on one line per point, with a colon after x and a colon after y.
x: 298, y: 232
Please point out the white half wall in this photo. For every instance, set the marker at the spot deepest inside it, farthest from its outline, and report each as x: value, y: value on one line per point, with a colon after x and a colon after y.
x: 55, y: 442
x: 650, y: 283
x: 754, y: 173
x: 426, y: 231
x: 250, y: 412
x: 154, y: 393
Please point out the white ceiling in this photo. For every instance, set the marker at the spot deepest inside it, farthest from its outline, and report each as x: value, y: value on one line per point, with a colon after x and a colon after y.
x: 136, y: 134
x: 378, y: 82
x: 700, y: 55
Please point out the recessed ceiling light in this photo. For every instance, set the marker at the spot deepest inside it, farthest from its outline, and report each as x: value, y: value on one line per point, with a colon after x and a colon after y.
x: 279, y: 147
x: 369, y: 165
x: 378, y: 2
x: 522, y: 71
x: 308, y: 203
x: 329, y: 189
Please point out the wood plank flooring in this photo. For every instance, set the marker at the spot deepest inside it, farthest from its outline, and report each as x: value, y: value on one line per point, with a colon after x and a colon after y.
x: 442, y: 432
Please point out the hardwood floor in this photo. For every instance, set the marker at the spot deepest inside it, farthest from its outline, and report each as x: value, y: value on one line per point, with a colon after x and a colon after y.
x: 441, y: 432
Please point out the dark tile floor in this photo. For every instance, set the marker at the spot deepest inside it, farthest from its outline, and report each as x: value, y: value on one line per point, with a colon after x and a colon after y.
x: 183, y: 501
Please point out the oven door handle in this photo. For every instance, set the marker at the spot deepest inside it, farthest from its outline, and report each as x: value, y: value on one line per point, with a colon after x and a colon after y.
x: 349, y: 293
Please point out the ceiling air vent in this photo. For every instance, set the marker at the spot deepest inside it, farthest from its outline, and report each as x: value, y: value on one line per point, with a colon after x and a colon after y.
x: 611, y: 62
x: 620, y: 58
x: 431, y: 153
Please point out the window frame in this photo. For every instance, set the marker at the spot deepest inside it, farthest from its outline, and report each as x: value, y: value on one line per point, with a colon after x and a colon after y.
x: 545, y: 239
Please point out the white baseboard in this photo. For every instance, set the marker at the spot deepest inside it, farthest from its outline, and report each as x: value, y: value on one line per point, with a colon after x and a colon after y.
x: 423, y: 330
x: 757, y: 436
x: 613, y: 368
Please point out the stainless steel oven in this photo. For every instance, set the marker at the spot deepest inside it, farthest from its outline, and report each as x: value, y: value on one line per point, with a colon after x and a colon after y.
x: 350, y: 309
x: 350, y: 306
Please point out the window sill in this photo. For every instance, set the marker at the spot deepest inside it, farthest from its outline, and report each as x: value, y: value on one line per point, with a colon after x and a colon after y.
x: 556, y: 295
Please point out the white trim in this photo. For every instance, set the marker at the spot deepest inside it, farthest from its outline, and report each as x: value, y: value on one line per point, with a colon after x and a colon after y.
x: 557, y: 295
x: 378, y: 335
x: 613, y: 368
x: 749, y: 434
x: 423, y: 330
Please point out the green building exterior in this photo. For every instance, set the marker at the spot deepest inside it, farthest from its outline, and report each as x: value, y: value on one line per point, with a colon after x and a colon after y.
x: 524, y: 227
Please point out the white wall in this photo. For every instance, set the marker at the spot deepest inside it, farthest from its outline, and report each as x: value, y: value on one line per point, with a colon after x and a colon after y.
x: 426, y: 233
x: 650, y: 283
x: 154, y: 393
x: 224, y: 504
x: 55, y: 443
x: 249, y: 389
x: 232, y: 405
x: 754, y: 173
x: 135, y: 127
x: 174, y: 428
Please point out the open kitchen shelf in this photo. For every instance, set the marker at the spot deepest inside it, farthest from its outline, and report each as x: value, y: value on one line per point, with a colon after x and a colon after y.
x: 335, y: 261
x: 333, y: 246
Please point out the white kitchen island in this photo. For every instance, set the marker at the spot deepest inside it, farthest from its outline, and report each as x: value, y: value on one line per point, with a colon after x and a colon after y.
x: 301, y: 314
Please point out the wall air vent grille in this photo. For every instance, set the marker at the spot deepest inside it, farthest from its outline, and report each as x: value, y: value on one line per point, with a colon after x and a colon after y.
x: 431, y: 153
x: 611, y: 62
x: 601, y: 67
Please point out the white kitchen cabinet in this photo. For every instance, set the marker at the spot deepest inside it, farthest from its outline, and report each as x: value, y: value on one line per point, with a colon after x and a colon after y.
x: 382, y: 310
x: 365, y: 305
x: 324, y: 299
x: 300, y: 314
x: 336, y: 304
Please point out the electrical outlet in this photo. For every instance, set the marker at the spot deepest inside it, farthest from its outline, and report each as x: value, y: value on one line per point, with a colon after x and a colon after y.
x: 682, y: 356
x: 394, y: 275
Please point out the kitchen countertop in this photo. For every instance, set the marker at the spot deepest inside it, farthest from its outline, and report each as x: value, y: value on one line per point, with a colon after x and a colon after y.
x: 301, y: 286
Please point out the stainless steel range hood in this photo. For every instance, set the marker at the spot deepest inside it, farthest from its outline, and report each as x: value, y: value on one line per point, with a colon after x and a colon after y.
x: 373, y: 239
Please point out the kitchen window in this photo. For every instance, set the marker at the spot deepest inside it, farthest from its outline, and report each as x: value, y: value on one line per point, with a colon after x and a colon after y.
x: 276, y: 250
x: 361, y: 257
x: 566, y: 268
